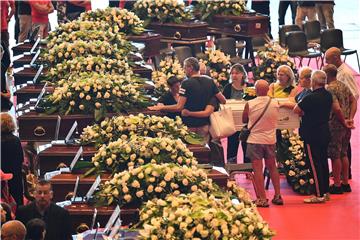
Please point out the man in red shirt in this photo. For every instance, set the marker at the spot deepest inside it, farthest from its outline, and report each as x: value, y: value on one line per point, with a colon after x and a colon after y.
x: 5, y: 18
x: 39, y: 16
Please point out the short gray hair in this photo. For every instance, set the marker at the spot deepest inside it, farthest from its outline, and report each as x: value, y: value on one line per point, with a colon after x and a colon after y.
x: 193, y: 62
x: 318, y: 77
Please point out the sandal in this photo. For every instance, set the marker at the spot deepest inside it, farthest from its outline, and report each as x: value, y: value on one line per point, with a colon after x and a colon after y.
x: 263, y: 203
x: 277, y: 200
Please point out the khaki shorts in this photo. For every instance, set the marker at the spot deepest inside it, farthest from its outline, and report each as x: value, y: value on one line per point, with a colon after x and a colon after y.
x: 260, y: 151
x: 339, y: 143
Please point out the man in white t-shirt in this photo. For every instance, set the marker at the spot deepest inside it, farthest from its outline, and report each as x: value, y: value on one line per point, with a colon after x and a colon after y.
x: 262, y: 140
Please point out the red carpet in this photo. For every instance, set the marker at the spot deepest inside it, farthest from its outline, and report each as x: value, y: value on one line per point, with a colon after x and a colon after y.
x: 337, y: 219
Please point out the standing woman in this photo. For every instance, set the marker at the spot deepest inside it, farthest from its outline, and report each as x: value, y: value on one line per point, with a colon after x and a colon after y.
x: 235, y: 90
x: 12, y: 157
x: 284, y: 87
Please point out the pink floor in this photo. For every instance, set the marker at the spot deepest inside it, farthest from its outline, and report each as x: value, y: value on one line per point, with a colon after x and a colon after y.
x: 337, y: 219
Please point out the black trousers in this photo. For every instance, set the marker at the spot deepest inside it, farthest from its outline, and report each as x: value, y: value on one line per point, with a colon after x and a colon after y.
x: 349, y: 157
x: 263, y: 8
x: 233, y: 146
x: 319, y: 167
x: 283, y: 6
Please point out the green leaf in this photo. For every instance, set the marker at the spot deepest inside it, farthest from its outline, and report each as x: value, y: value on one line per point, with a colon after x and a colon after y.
x: 83, y: 164
x: 192, y: 139
x: 90, y: 172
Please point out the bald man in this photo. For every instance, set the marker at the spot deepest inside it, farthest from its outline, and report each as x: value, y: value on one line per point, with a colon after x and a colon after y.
x: 345, y: 75
x: 261, y: 115
x: 13, y: 230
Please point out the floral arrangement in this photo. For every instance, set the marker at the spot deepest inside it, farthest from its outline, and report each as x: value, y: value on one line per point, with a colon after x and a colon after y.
x: 290, y: 152
x: 249, y: 93
x: 121, y: 20
x: 96, y: 93
x: 89, y: 63
x: 208, y: 8
x: 164, y: 11
x: 270, y: 59
x: 219, y: 64
x: 70, y: 50
x: 199, y: 215
x: 127, y: 153
x: 168, y: 67
x: 143, y: 125
x: 152, y: 181
x: 239, y: 193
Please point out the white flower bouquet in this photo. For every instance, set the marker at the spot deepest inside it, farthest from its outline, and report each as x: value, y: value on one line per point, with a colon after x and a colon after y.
x: 291, y: 154
x: 164, y: 11
x: 70, y: 50
x: 270, y: 59
x: 125, y: 153
x: 219, y: 64
x: 150, y: 181
x: 207, y: 8
x: 168, y: 67
x: 143, y: 125
x: 121, y: 20
x: 88, y: 64
x: 97, y: 93
x: 199, y: 215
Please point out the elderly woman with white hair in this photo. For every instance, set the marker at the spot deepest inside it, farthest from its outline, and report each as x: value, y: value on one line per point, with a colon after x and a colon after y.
x: 285, y: 85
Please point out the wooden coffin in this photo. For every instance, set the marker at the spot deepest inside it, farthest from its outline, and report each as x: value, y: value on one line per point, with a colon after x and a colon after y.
x: 64, y: 183
x: 25, y: 46
x: 186, y: 31
x: 25, y: 92
x: 23, y: 59
x: 246, y: 24
x: 26, y: 74
x: 40, y: 127
x: 83, y: 213
x: 151, y: 41
x: 50, y: 158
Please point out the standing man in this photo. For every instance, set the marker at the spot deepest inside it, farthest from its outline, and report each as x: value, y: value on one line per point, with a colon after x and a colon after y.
x: 262, y: 140
x: 344, y: 107
x: 40, y: 16
x: 283, y: 6
x: 195, y: 94
x: 305, y: 9
x: 315, y: 110
x: 325, y: 13
x: 345, y: 75
x: 24, y: 12
x: 57, y: 219
x: 263, y: 7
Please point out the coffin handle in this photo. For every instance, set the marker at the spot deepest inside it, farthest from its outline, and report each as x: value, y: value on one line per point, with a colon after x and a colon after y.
x: 177, y: 35
x: 237, y: 28
x: 39, y: 131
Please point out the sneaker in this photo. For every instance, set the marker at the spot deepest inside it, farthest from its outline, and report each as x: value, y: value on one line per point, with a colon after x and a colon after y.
x: 327, y: 196
x: 277, y: 200
x: 262, y: 203
x: 314, y: 199
x: 345, y: 187
x: 335, y: 190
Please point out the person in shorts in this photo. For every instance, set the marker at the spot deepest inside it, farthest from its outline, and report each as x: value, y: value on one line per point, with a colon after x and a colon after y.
x: 344, y: 106
x: 262, y: 140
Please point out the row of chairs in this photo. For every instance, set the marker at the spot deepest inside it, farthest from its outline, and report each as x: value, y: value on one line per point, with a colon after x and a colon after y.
x: 227, y: 45
x: 311, y: 41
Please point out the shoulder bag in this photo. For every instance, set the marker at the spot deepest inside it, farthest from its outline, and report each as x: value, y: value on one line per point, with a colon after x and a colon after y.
x: 245, y: 131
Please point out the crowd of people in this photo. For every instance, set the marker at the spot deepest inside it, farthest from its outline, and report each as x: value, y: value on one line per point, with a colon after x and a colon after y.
x: 326, y: 101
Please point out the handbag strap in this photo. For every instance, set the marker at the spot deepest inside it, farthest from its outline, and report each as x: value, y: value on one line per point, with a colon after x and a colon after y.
x: 261, y: 115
